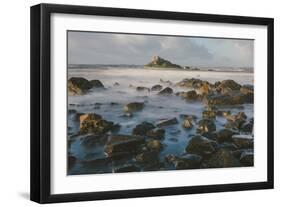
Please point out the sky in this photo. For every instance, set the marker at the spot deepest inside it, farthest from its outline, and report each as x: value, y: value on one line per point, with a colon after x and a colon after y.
x: 114, y: 48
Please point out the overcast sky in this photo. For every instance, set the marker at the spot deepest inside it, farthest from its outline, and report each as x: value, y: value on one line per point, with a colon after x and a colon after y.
x: 109, y: 48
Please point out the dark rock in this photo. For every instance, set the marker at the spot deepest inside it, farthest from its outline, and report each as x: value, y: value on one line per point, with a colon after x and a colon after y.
x: 225, y: 99
x: 225, y: 135
x: 247, y: 158
x: 167, y: 122
x: 78, y: 86
x: 188, y: 161
x: 247, y: 127
x: 133, y: 107
x: 96, y: 84
x: 206, y: 125
x: 247, y: 89
x: 236, y: 121
x: 148, y: 157
x: 93, y: 123
x: 71, y: 160
x: 223, y: 113
x: 156, y: 88
x: 189, y: 96
x: 156, y: 133
x: 92, y: 140
x: 166, y: 91
x: 119, y: 145
x: 116, y: 84
x: 143, y: 128
x: 201, y: 145
x: 154, y: 145
x: 127, y: 168
x: 141, y: 88
x: 170, y: 158
x: 210, y: 135
x: 191, y: 83
x: 231, y: 84
x: 222, y: 158
x: 243, y: 141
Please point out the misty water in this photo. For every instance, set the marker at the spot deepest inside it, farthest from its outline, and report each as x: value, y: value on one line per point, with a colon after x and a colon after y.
x: 109, y: 104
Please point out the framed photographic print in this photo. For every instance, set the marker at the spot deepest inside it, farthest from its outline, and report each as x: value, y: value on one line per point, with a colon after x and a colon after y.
x: 132, y: 103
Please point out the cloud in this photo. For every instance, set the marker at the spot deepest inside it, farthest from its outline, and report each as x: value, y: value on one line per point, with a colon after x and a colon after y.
x: 111, y: 48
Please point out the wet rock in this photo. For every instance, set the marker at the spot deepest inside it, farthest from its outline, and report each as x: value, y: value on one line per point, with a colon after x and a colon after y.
x: 187, y: 123
x: 237, y: 120
x: 96, y: 84
x: 210, y: 135
x: 170, y: 158
x: 166, y: 91
x: 247, y: 158
x: 223, y: 113
x: 99, y: 161
x: 222, y: 158
x: 148, y: 157
x: 209, y: 114
x: 78, y: 86
x: 154, y: 145
x: 224, y: 99
x: 156, y: 133
x: 243, y: 141
x: 188, y: 161
x: 201, y: 145
x: 247, y: 89
x: 156, y: 87
x: 205, y: 89
x: 167, y: 122
x: 189, y: 96
x: 116, y: 84
x: 127, y: 168
x: 247, y: 127
x: 93, y: 123
x: 206, y: 125
x: 167, y: 82
x: 92, y: 140
x: 141, y: 88
x: 231, y: 84
x: 119, y: 145
x: 191, y: 83
x: 71, y: 160
x: 143, y: 128
x: 133, y: 107
x: 225, y: 135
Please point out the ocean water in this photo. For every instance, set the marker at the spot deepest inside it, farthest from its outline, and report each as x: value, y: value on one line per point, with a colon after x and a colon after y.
x: 115, y: 97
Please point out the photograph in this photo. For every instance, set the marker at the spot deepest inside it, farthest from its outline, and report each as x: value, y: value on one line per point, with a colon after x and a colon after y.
x: 150, y: 102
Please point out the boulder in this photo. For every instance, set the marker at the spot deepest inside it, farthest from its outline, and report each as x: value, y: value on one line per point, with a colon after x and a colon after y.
x: 205, y: 89
x: 247, y: 89
x: 143, y: 128
x: 189, y: 96
x: 156, y: 87
x: 225, y: 135
x: 243, y: 141
x: 247, y: 127
x: 191, y: 83
x: 96, y: 84
x: 71, y: 160
x: 237, y: 120
x: 225, y: 99
x: 223, y: 113
x: 247, y: 158
x: 166, y: 91
x: 93, y: 123
x: 222, y: 158
x: 156, y: 133
x: 148, y: 157
x: 78, y: 86
x: 201, y: 145
x: 133, y: 107
x: 167, y: 122
x: 231, y: 84
x: 188, y: 161
x: 92, y: 139
x: 206, y: 125
x: 154, y: 145
x: 119, y: 145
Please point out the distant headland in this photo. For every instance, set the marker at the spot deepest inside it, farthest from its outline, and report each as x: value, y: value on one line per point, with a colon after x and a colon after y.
x: 158, y: 62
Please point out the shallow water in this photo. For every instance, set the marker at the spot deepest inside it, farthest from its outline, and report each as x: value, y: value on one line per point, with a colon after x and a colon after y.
x: 112, y: 100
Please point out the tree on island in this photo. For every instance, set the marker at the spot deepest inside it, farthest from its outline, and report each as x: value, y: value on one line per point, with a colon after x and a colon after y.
x: 159, y: 62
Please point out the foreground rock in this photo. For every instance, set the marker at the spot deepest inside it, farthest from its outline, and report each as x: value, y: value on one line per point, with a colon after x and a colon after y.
x: 119, y: 145
x: 133, y: 107
x: 201, y: 145
x: 154, y: 145
x: 93, y: 123
x: 96, y: 84
x: 222, y: 158
x: 143, y: 128
x: 156, y: 88
x: 191, y: 83
x: 224, y: 135
x: 190, y: 95
x: 142, y: 88
x: 150, y: 157
x: 127, y: 168
x: 247, y: 158
x: 230, y: 85
x: 243, y: 141
x: 78, y: 86
x: 187, y: 161
x: 206, y: 125
x: 156, y: 133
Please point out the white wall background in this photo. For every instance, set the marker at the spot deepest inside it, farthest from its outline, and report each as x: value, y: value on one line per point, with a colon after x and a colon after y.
x: 14, y: 103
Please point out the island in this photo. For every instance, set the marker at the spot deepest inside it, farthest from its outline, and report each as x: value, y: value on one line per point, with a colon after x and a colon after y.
x: 158, y: 62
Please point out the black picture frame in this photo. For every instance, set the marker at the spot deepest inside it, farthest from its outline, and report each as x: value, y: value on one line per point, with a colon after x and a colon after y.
x: 41, y: 98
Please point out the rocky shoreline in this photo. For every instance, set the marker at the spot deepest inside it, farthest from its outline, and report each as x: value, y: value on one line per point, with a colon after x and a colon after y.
x: 142, y: 149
